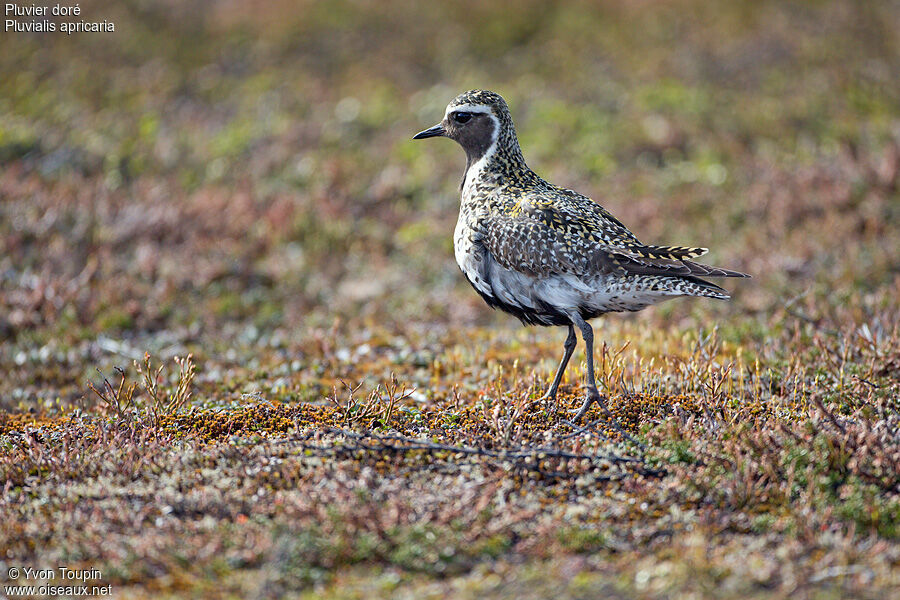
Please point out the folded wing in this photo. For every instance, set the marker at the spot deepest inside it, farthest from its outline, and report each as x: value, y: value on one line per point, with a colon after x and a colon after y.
x: 578, y: 236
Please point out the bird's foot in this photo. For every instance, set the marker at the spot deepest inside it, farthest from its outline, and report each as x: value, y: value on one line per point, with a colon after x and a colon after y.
x: 592, y: 396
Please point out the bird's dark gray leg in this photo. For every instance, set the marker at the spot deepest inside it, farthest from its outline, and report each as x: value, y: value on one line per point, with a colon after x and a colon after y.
x: 593, y: 394
x: 569, y: 346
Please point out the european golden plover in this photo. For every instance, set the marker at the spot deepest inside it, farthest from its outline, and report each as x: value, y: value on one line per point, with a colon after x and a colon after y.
x: 548, y: 255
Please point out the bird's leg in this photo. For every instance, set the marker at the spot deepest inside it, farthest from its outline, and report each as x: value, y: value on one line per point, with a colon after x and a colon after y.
x: 569, y: 346
x: 593, y: 395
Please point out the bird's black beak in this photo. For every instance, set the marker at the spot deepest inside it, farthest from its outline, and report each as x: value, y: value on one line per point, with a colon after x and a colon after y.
x: 430, y: 132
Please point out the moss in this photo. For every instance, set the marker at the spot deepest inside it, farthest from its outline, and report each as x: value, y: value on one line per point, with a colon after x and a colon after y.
x: 115, y: 320
x: 582, y: 540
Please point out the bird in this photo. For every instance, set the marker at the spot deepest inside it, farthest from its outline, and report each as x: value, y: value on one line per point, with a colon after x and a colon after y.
x: 546, y: 254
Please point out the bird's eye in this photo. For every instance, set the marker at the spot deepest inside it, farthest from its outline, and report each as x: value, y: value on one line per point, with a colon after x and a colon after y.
x: 462, y: 117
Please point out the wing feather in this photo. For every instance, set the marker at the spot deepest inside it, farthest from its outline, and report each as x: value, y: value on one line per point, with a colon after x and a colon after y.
x: 575, y: 235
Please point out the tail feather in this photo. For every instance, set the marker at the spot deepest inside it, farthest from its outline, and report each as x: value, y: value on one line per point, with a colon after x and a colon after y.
x: 709, y: 271
x: 662, y: 255
x: 663, y: 260
x: 694, y: 286
x: 645, y: 290
x: 671, y: 252
x: 664, y: 266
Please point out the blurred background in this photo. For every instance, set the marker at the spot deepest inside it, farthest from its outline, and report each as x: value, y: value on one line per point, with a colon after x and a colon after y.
x: 231, y: 176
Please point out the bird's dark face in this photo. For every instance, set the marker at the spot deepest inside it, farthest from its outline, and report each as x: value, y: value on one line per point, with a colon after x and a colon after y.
x: 472, y: 126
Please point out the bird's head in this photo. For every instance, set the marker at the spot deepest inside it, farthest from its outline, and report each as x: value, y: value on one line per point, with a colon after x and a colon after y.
x: 476, y: 120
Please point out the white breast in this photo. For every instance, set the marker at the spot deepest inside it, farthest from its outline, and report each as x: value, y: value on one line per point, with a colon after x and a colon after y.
x: 468, y: 257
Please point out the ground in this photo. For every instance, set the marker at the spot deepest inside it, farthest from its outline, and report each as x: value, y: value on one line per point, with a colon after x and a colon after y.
x: 229, y: 192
